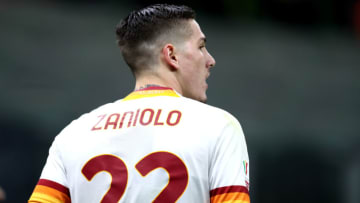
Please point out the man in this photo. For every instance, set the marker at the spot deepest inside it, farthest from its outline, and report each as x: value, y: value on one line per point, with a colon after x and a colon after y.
x: 159, y: 143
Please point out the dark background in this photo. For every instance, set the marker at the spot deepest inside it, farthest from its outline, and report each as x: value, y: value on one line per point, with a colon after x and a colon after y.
x: 289, y: 70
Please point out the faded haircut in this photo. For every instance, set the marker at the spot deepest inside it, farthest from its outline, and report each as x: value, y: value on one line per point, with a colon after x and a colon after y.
x: 143, y: 33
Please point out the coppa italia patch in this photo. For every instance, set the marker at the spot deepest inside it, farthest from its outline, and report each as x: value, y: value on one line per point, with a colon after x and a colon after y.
x: 246, y: 166
x: 246, y: 171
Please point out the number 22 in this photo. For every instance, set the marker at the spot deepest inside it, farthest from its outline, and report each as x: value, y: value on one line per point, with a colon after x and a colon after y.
x: 174, y: 166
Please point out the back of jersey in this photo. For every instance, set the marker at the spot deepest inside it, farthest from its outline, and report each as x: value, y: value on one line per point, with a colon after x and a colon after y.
x: 152, y: 146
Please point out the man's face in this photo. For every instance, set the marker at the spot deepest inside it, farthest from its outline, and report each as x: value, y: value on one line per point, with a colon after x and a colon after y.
x: 195, y: 63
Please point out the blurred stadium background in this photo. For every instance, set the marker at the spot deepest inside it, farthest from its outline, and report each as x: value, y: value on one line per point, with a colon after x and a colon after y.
x: 289, y: 70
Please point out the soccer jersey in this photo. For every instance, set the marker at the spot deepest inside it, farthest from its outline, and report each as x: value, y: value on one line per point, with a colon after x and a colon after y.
x: 152, y: 146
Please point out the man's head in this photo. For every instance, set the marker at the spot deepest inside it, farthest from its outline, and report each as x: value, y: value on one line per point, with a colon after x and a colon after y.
x: 142, y: 33
x: 166, y: 41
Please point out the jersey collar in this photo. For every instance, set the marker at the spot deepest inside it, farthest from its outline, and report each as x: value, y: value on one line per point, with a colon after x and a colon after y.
x: 153, y: 91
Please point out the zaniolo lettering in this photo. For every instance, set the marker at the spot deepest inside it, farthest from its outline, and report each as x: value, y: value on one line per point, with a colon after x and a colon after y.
x: 143, y: 117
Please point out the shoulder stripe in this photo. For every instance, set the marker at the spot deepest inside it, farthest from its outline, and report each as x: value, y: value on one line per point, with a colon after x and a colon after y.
x: 238, y: 194
x: 54, y: 185
x: 43, y: 198
x: 50, y: 191
x: 228, y: 189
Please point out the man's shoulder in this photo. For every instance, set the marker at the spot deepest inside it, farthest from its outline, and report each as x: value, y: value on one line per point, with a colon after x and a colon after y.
x: 84, y: 119
x: 191, y: 109
x: 209, y: 111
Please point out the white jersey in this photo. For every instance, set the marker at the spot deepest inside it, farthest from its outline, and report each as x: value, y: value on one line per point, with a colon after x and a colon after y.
x: 152, y: 146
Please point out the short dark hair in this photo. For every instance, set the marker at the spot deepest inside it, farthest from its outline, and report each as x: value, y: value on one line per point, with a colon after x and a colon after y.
x: 142, y: 29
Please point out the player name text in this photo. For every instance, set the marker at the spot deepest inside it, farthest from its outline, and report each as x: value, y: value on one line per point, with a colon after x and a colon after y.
x: 142, y: 117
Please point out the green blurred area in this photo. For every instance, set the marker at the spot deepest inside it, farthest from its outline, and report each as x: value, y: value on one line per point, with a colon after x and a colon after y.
x: 288, y: 70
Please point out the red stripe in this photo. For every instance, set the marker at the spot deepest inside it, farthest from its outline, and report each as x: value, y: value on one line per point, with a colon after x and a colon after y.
x: 54, y: 185
x: 228, y: 189
x: 155, y: 88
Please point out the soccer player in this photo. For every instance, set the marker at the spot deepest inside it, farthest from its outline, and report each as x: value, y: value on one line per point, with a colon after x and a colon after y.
x: 160, y: 143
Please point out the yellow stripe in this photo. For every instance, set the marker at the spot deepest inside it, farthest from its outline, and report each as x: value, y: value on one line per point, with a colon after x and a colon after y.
x: 236, y: 201
x: 150, y: 93
x: 43, y: 198
x: 238, y: 197
x: 50, y: 195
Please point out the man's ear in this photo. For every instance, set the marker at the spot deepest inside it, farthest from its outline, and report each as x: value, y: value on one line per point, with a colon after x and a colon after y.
x: 170, y: 56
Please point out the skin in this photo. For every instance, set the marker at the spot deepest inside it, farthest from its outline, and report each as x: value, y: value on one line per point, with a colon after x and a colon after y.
x: 183, y: 67
x: 2, y: 195
x: 195, y: 63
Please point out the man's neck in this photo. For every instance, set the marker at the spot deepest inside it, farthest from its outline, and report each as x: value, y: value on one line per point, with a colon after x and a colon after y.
x: 161, y: 79
x: 147, y: 86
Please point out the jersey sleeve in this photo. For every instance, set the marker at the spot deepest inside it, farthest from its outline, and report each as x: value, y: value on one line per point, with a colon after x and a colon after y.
x: 51, y: 188
x: 229, y: 170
